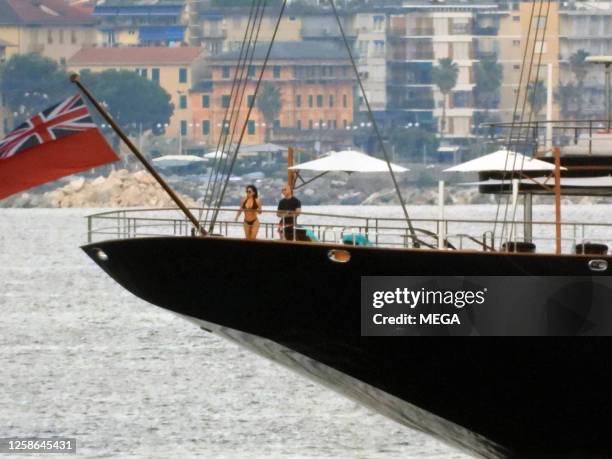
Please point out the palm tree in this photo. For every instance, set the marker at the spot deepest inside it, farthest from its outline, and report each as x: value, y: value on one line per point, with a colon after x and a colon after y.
x: 536, y: 96
x: 567, y: 96
x: 269, y: 104
x: 488, y: 75
x: 578, y: 66
x: 445, y: 77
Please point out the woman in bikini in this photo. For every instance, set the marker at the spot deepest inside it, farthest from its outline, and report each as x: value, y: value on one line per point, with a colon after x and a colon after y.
x: 251, y: 206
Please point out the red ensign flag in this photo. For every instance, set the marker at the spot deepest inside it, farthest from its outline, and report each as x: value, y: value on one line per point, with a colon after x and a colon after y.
x: 59, y: 141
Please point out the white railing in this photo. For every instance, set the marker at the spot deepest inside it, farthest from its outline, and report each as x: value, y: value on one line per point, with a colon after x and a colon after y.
x: 459, y: 234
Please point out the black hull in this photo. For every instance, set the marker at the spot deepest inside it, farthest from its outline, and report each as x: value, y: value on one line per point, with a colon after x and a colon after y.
x: 504, y: 397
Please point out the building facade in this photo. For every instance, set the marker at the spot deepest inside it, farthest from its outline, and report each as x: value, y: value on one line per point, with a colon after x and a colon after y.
x: 315, y: 85
x: 171, y: 68
x: 151, y: 23
x: 51, y: 28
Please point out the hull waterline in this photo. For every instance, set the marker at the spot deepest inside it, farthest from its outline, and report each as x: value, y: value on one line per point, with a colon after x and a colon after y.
x: 502, y: 397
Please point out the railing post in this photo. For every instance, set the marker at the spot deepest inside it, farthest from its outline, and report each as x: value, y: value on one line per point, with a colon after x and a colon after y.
x: 89, y: 225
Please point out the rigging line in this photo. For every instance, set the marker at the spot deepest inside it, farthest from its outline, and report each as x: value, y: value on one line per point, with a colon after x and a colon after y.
x: 237, y: 81
x: 239, y: 70
x: 215, y: 161
x: 235, y: 113
x: 535, y: 88
x: 239, y: 99
x: 251, y: 105
x: 373, y: 120
x: 525, y: 102
x: 516, y: 109
x: 518, y: 141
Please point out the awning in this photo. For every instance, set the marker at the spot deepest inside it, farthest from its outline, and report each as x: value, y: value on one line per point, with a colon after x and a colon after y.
x: 566, y: 182
x: 503, y: 161
x: 347, y: 161
x: 161, y: 33
x: 177, y: 160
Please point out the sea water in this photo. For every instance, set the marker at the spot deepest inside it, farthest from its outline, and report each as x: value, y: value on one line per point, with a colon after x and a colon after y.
x: 81, y: 357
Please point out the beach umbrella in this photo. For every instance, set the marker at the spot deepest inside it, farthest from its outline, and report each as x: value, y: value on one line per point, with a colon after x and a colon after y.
x: 503, y: 161
x: 347, y: 161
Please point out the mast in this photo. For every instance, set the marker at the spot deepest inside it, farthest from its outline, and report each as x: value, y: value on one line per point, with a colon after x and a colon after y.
x: 74, y: 78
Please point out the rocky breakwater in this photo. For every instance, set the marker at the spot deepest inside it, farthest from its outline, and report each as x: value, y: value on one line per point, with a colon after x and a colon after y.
x: 120, y: 189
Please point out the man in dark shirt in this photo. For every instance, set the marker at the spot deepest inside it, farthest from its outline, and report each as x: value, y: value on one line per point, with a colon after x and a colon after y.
x: 288, y: 209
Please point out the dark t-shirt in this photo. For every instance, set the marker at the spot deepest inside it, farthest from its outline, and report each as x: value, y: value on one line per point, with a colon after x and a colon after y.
x: 289, y: 204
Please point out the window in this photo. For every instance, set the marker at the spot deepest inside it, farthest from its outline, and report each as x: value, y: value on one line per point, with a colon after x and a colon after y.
x: 276, y: 124
x: 319, y: 100
x: 540, y: 22
x: 183, y: 101
x: 225, y: 128
x: 331, y: 101
x: 182, y: 75
x: 61, y: 36
x: 225, y: 101
x: 345, y: 123
x: 309, y: 124
x: 183, y: 127
x: 251, y: 71
x: 276, y: 71
x: 516, y: 42
x: 249, y: 100
x: 205, y: 101
x: 298, y: 101
x: 345, y: 101
x: 155, y: 75
x: 205, y: 127
x: 251, y: 127
x: 298, y: 125
x: 516, y: 66
x: 49, y: 37
x: 73, y: 37
x: 541, y: 47
x: 320, y: 124
x: 226, y: 72
x: 310, y: 101
x: 516, y: 18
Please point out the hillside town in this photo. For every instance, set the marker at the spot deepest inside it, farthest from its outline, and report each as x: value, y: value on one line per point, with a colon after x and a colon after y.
x: 434, y: 71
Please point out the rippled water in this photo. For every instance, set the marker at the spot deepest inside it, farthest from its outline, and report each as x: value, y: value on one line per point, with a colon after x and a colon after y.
x: 83, y: 358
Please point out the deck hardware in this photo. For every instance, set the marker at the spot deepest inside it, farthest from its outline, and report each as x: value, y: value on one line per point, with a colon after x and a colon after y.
x: 339, y: 256
x: 598, y: 265
x: 101, y: 254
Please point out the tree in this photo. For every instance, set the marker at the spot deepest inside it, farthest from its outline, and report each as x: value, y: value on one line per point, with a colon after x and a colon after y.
x: 414, y: 144
x: 536, y: 96
x: 579, y: 68
x: 445, y: 77
x: 136, y: 104
x: 488, y: 74
x: 31, y: 83
x: 269, y: 104
x: 567, y: 96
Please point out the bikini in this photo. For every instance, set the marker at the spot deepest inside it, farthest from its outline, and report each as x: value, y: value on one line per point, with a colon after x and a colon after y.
x: 253, y: 207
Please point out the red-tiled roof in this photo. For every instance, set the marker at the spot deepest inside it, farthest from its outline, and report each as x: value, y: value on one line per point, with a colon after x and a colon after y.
x: 42, y: 12
x: 136, y: 55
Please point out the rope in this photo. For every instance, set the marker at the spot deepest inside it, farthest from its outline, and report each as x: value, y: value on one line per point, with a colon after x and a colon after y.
x: 239, y: 80
x: 373, y: 120
x: 246, y: 121
x: 216, y: 160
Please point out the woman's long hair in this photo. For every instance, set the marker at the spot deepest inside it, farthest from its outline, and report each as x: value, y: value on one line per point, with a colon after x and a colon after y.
x: 255, y: 196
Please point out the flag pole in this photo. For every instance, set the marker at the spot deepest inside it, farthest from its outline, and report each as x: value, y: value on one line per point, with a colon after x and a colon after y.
x: 75, y: 79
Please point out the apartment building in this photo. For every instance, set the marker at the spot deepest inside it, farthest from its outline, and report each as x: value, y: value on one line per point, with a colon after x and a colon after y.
x: 172, y: 68
x: 315, y: 82
x: 51, y: 28
x: 586, y: 26
x: 141, y: 23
